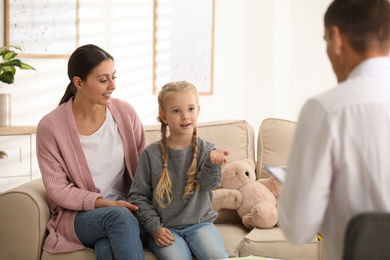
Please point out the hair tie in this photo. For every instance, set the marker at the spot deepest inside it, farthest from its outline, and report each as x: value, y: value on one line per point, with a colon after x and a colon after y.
x: 194, y: 155
x: 165, y: 165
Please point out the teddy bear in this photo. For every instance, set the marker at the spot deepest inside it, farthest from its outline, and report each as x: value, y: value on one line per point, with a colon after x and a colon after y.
x: 254, y: 200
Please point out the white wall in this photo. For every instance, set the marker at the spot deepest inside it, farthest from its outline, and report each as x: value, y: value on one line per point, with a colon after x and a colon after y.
x: 269, y: 57
x: 310, y: 70
x: 286, y: 61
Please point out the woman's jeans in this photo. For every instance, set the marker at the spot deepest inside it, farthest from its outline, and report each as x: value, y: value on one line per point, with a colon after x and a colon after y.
x: 112, y: 231
x: 202, y: 240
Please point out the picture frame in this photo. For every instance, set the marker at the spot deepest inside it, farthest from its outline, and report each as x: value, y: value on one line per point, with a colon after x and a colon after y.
x: 184, y: 43
x: 42, y: 28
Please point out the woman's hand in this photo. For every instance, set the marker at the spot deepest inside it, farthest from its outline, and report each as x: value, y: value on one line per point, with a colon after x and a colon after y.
x: 163, y: 237
x: 218, y: 156
x: 101, y: 203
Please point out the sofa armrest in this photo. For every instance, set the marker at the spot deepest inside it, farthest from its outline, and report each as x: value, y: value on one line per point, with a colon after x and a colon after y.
x: 23, y: 217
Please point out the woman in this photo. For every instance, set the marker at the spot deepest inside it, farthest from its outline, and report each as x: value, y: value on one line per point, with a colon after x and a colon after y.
x: 88, y: 149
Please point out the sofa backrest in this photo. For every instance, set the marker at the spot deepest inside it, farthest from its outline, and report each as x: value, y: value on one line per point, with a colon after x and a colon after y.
x: 236, y: 136
x: 273, y: 144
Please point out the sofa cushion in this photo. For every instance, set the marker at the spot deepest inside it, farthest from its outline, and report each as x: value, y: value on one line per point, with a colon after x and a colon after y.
x: 228, y: 216
x: 273, y: 144
x: 232, y: 236
x: 86, y: 254
x: 236, y: 136
x: 272, y: 243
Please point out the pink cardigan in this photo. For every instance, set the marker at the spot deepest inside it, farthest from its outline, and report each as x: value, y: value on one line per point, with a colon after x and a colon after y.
x: 65, y: 173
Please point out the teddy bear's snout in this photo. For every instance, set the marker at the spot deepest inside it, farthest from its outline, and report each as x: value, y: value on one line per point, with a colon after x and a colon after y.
x: 247, y: 174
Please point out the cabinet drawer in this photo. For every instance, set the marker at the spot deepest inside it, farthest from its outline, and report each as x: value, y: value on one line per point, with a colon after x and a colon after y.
x: 17, y: 147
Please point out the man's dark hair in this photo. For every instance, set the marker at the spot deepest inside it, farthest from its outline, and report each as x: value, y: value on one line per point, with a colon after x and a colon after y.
x: 365, y: 22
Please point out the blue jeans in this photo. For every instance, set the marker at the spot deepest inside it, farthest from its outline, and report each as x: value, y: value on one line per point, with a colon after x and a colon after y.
x: 202, y: 240
x: 112, y: 231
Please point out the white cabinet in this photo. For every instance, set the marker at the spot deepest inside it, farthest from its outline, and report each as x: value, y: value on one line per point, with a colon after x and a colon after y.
x: 18, y: 162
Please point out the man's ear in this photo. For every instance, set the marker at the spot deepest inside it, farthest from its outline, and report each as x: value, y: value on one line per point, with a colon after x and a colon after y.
x: 338, y: 37
x: 77, y: 82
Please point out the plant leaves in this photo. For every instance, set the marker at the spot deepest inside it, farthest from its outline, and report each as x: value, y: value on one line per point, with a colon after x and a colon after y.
x: 26, y: 67
x: 2, y: 49
x: 8, y: 55
x: 12, y: 69
x: 7, y: 77
x: 14, y: 62
x: 7, y: 66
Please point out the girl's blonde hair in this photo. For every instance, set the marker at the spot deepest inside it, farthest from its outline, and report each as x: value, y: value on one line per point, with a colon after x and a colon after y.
x: 163, y: 194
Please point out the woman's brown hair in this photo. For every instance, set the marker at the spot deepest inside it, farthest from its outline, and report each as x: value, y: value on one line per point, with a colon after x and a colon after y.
x: 82, y: 61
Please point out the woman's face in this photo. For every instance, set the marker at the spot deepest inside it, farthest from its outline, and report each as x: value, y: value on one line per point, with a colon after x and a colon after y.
x: 99, y: 85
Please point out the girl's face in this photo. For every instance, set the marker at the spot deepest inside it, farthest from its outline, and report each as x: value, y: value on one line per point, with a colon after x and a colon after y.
x: 99, y: 85
x: 181, y: 113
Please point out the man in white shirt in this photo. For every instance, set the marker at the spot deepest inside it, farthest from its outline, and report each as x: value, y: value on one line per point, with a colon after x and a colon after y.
x: 339, y: 164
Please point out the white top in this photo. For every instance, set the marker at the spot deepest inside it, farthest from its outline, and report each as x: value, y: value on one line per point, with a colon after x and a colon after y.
x: 339, y: 164
x: 105, y: 157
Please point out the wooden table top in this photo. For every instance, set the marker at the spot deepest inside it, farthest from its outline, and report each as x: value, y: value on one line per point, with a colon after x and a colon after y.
x: 17, y: 130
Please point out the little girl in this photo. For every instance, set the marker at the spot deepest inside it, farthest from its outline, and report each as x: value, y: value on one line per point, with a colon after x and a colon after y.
x: 174, y: 181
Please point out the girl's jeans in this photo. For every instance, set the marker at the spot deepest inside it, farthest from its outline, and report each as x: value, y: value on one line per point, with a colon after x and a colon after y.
x: 112, y: 231
x: 202, y: 240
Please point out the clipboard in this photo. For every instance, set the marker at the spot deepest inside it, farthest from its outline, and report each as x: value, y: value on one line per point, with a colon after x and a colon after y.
x: 277, y: 171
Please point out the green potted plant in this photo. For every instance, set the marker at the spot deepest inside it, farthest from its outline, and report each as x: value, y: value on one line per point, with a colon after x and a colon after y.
x: 7, y: 74
x: 9, y: 64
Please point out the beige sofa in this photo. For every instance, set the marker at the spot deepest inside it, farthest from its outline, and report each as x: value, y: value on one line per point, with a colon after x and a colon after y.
x: 24, y: 210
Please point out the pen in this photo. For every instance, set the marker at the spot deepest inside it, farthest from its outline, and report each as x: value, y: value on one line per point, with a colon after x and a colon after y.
x: 319, y: 236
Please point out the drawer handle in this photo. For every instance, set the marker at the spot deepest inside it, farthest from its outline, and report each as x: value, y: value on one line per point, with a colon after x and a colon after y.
x: 3, y: 155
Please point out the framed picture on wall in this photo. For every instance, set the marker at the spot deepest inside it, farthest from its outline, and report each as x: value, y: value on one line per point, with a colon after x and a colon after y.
x: 184, y: 43
x: 42, y: 28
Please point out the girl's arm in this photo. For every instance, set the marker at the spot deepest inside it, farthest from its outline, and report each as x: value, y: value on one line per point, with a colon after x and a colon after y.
x: 141, y: 195
x: 218, y: 156
x: 210, y: 175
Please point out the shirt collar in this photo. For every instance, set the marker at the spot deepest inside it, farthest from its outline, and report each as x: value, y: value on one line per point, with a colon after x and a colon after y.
x: 369, y: 66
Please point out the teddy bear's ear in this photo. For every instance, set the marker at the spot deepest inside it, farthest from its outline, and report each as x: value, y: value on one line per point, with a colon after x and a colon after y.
x: 251, y: 163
